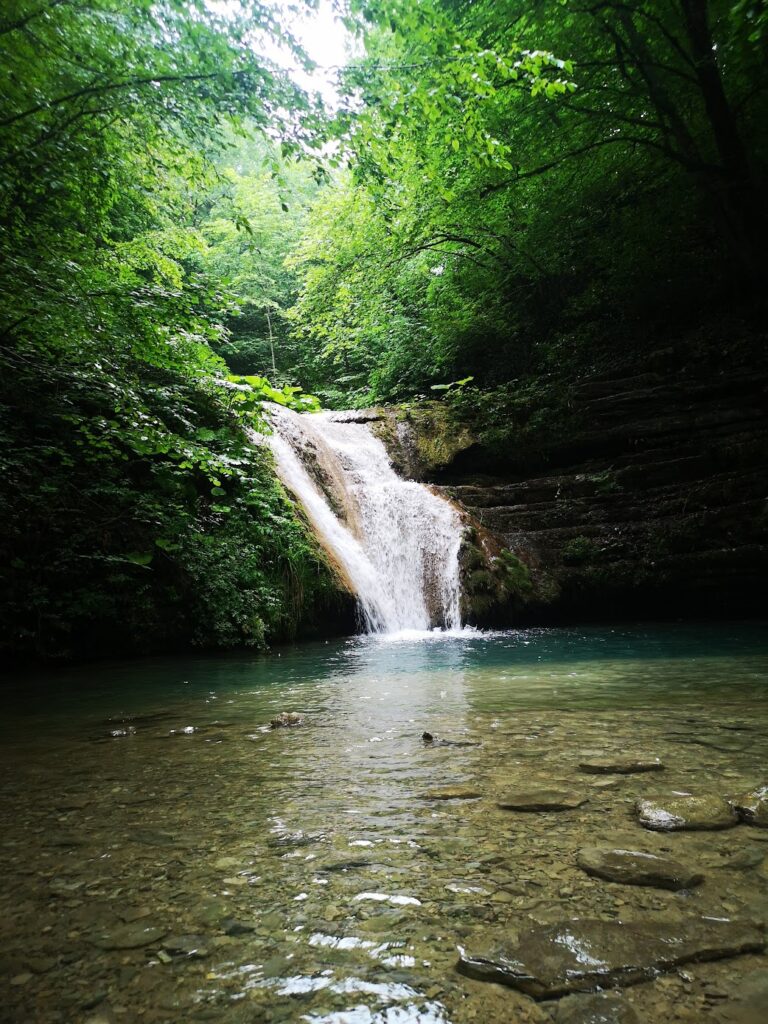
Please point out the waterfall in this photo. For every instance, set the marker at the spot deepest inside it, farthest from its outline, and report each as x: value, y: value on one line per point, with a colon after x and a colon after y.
x: 395, y: 541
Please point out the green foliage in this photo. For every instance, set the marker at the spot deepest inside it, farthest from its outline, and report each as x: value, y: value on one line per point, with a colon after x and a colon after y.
x: 533, y: 189
x: 134, y: 509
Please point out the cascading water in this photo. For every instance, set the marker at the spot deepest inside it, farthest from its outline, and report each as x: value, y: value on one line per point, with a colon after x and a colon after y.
x: 396, y: 541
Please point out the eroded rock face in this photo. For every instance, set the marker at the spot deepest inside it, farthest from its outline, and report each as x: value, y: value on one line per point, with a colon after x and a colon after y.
x: 753, y: 807
x: 635, y: 867
x: 584, y: 954
x: 620, y: 765
x: 685, y: 813
x: 541, y: 799
x: 586, y: 484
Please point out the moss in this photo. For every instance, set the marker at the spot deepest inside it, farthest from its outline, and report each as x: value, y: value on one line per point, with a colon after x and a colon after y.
x: 515, y: 573
x: 605, y: 482
x: 434, y: 436
x: 579, y: 551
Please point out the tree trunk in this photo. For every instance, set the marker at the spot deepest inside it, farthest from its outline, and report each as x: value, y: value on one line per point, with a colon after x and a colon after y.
x: 740, y: 195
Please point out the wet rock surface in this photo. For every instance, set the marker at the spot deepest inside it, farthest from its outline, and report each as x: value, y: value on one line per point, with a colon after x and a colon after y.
x: 543, y: 799
x: 753, y: 807
x: 635, y: 867
x: 286, y: 720
x: 602, y: 1008
x: 686, y: 813
x: 579, y: 955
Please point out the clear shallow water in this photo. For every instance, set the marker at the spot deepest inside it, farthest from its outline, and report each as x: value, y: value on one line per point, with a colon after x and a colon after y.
x: 152, y: 794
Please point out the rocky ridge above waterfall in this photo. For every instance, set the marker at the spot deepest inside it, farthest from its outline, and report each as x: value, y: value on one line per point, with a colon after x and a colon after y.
x: 635, y: 491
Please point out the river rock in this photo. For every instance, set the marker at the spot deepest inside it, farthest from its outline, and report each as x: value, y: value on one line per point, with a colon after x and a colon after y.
x: 191, y: 946
x: 753, y: 807
x: 128, y: 936
x: 685, y: 813
x: 543, y: 799
x: 634, y: 867
x: 601, y: 1008
x: 431, y: 741
x: 583, y: 954
x: 453, y: 793
x: 286, y: 720
x: 620, y: 765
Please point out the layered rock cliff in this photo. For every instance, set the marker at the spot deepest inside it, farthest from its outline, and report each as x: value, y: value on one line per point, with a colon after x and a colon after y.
x: 638, y: 493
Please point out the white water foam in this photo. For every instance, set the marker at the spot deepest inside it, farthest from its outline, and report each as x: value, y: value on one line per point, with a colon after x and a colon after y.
x: 396, y: 541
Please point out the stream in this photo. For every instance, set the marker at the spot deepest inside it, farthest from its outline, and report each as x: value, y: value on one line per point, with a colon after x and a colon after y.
x: 167, y: 856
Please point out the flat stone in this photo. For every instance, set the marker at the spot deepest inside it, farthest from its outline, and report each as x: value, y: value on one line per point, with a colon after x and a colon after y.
x: 453, y: 793
x: 620, y: 765
x: 753, y: 807
x: 129, y: 936
x: 541, y: 800
x: 634, y: 867
x: 583, y: 954
x: 685, y: 813
x: 601, y: 1008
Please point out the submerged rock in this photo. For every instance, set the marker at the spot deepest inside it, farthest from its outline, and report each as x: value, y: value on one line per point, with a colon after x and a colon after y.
x: 453, y: 793
x: 286, y: 720
x: 685, y: 813
x: 601, y: 1008
x: 430, y: 741
x: 544, y: 799
x: 129, y: 936
x: 634, y: 867
x: 620, y: 765
x: 191, y: 946
x: 753, y: 807
x: 581, y: 955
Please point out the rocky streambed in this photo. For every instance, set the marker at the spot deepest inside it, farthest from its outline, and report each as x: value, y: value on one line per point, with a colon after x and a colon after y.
x: 592, y: 859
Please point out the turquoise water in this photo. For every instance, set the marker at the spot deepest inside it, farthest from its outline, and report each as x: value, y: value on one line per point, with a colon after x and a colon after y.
x: 570, y: 667
x: 152, y: 794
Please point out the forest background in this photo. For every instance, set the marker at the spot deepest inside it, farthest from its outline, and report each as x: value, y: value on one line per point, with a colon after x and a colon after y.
x: 504, y: 197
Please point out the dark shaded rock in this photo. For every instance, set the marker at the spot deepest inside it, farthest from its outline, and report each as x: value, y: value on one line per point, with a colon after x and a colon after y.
x: 584, y: 954
x: 753, y: 807
x: 601, y: 1008
x: 232, y: 926
x: 639, y: 491
x: 685, y: 813
x: 286, y: 720
x: 620, y: 765
x: 345, y: 865
x: 541, y: 800
x: 634, y: 867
